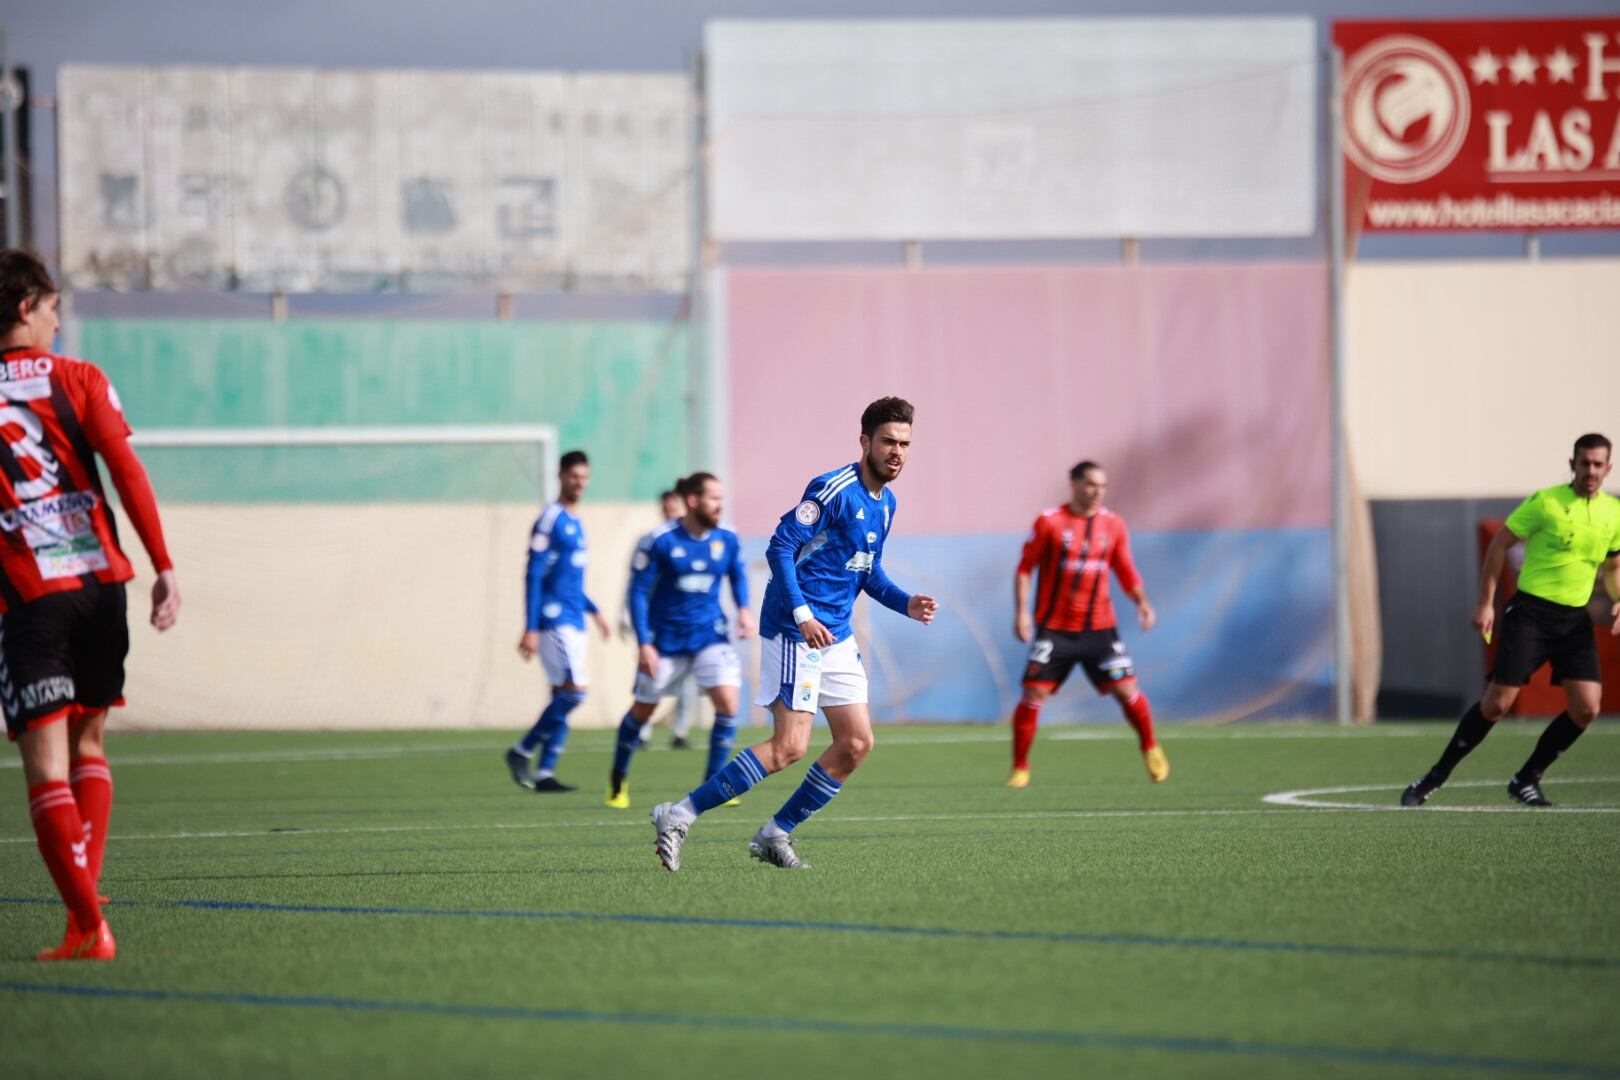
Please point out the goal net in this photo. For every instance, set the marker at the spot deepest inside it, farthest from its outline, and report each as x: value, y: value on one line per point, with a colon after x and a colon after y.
x: 339, y: 577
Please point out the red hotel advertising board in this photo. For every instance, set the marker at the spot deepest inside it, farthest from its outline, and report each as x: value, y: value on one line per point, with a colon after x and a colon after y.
x: 1506, y: 124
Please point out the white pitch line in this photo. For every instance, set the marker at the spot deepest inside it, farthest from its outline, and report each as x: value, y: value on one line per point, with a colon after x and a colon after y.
x: 640, y: 823
x: 1061, y: 734
x: 1305, y: 799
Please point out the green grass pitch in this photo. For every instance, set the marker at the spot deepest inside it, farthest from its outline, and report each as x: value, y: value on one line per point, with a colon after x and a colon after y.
x: 344, y: 904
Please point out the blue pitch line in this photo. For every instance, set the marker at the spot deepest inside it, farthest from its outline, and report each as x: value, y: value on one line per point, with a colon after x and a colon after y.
x: 1098, y: 1040
x: 1394, y: 952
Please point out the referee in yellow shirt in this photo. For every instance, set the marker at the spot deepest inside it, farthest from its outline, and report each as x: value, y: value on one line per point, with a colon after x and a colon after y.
x: 1569, y: 531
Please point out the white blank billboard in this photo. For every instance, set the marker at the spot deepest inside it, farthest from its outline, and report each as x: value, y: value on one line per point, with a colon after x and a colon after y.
x: 1038, y: 128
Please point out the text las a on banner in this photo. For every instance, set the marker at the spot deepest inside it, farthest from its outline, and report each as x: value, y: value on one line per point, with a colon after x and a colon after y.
x: 1509, y: 124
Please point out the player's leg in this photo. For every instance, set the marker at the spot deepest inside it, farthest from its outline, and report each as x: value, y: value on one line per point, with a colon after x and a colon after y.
x: 91, y: 779
x: 717, y: 671
x: 842, y: 695
x: 1575, y: 666
x: 1139, y: 714
x: 790, y: 738
x: 1050, y: 661
x: 60, y: 833
x: 628, y: 739
x: 37, y: 692
x: 1522, y: 646
x: 686, y: 702
x: 1112, y: 672
x: 563, y: 657
x: 100, y: 646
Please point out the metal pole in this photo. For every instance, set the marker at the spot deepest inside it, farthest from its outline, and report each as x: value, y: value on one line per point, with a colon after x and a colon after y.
x: 8, y: 121
x: 1342, y: 655
x: 700, y: 402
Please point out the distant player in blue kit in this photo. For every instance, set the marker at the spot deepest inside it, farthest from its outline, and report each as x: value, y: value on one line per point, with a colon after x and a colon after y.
x: 680, y: 626
x: 826, y: 551
x: 555, y: 606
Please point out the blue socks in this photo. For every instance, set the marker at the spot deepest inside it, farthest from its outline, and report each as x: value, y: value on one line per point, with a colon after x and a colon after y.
x: 550, y: 732
x: 629, y: 739
x: 720, y: 740
x: 816, y: 791
x: 743, y: 773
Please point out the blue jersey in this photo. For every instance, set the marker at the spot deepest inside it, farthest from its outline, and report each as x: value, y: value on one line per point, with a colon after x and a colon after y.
x: 826, y: 551
x: 554, y: 587
x: 675, y: 588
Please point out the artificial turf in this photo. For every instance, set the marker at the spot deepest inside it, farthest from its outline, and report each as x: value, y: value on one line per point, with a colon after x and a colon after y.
x: 391, y: 904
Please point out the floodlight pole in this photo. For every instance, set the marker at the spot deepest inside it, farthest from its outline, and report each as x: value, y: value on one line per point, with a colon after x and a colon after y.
x: 1343, y: 705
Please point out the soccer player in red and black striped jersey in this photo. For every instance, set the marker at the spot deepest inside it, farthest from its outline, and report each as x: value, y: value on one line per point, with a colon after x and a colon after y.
x: 63, y: 629
x: 1075, y: 547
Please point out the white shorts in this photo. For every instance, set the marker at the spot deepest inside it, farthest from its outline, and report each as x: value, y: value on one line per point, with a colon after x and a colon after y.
x: 713, y: 665
x: 563, y: 653
x: 810, y: 679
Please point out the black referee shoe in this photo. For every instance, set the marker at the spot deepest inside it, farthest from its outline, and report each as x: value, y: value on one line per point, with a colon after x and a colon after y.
x: 1527, y: 792
x: 1418, y: 791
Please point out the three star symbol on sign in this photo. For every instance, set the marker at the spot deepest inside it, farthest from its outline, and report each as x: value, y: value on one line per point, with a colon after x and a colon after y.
x: 1486, y: 67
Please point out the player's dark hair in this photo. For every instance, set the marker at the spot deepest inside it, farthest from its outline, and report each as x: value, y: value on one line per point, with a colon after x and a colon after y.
x: 888, y: 410
x: 693, y: 485
x: 23, y: 279
x: 572, y: 458
x: 673, y: 493
x: 1080, y: 470
x: 1592, y: 441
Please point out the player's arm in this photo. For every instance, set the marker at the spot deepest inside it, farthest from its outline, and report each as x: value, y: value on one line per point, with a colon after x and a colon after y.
x: 1130, y: 582
x: 796, y: 529
x: 642, y: 580
x: 738, y: 576
x: 880, y: 587
x: 1611, y: 585
x: 134, y: 488
x: 1490, y: 573
x: 1034, y: 549
x: 542, y: 559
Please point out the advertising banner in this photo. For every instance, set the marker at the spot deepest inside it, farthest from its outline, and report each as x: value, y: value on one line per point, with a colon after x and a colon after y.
x: 1506, y: 124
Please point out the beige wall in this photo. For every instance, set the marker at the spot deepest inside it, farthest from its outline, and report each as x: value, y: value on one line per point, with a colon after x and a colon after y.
x: 1473, y: 379
x: 378, y: 616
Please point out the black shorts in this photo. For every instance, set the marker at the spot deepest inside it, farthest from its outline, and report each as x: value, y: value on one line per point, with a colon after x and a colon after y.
x: 1534, y: 631
x: 1053, y: 654
x: 61, y: 653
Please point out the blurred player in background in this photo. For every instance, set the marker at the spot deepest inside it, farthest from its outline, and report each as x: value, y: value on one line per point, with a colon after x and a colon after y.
x: 64, y: 631
x: 1568, y: 531
x: 673, y: 505
x: 826, y: 551
x: 681, y: 630
x: 555, y: 606
x: 1074, y: 547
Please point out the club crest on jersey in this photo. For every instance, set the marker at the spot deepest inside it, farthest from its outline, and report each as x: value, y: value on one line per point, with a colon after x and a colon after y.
x: 871, y: 538
x: 808, y: 512
x: 717, y: 548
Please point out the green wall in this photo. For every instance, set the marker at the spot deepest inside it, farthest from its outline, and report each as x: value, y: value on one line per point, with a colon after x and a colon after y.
x: 616, y: 389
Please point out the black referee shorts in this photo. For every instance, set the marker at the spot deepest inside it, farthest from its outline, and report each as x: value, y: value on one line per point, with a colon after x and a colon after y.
x: 1534, y: 631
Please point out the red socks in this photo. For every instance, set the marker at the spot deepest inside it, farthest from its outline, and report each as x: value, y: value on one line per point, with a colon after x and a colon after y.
x: 1024, y: 721
x: 93, y: 790
x: 61, y: 840
x: 1140, y: 717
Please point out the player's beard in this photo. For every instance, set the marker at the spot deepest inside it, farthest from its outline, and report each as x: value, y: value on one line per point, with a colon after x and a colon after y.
x: 879, y: 467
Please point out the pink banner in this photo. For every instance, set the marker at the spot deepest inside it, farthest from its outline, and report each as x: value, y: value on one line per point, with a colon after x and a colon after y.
x: 1203, y: 390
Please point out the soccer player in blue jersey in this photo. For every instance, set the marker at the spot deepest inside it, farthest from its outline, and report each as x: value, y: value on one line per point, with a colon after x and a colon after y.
x: 555, y: 606
x: 681, y: 628
x: 673, y: 505
x: 826, y: 551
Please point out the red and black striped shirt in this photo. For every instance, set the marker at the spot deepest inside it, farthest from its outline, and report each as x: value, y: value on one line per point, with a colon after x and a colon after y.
x: 1073, y: 555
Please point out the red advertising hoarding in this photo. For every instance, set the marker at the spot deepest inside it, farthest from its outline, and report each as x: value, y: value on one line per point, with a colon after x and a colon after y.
x: 1511, y: 124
